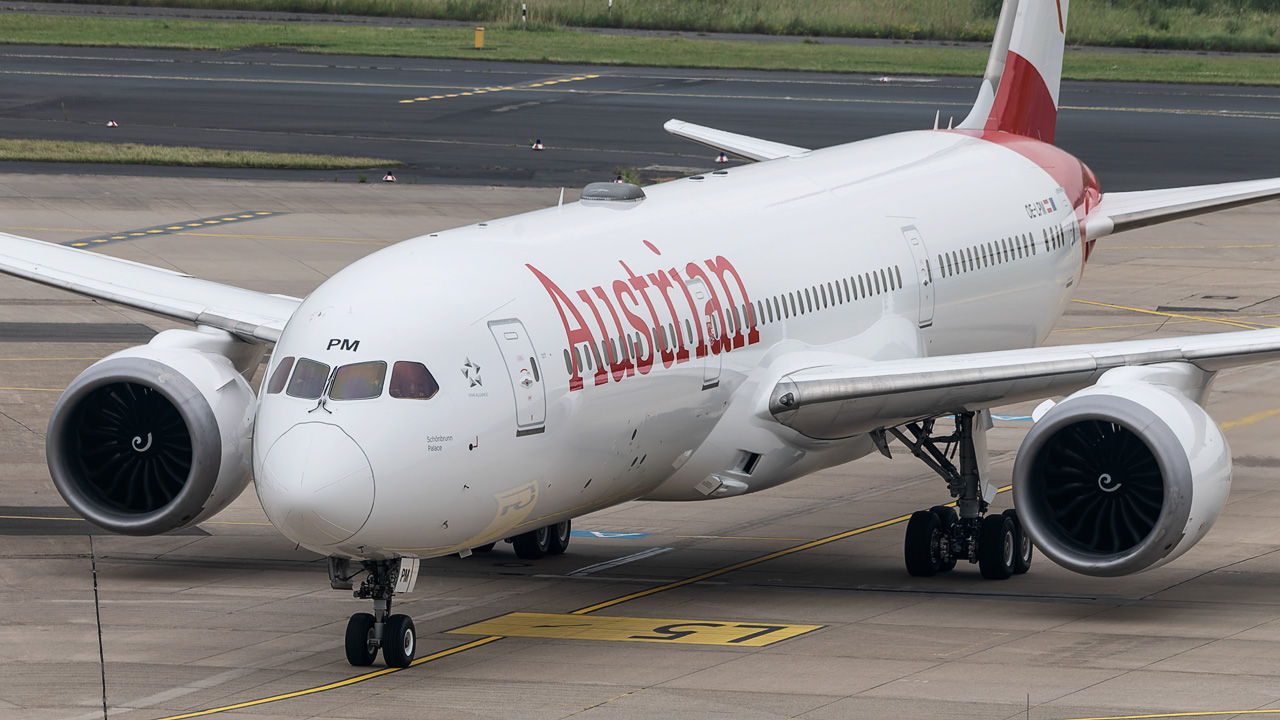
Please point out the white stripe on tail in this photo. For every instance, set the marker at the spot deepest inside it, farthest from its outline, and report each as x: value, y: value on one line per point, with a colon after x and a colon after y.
x: 1019, y: 92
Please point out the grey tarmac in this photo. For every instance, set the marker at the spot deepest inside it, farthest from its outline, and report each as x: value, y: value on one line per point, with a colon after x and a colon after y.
x: 474, y: 122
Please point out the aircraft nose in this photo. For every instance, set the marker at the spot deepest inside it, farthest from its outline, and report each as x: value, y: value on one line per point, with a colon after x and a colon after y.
x: 316, y: 484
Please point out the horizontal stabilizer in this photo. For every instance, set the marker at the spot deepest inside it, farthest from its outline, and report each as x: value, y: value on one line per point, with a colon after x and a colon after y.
x: 252, y: 315
x: 1120, y: 211
x: 743, y: 146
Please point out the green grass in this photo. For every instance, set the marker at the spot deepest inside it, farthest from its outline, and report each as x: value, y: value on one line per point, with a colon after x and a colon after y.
x: 567, y: 46
x: 1239, y: 25
x: 134, y: 154
x: 628, y: 175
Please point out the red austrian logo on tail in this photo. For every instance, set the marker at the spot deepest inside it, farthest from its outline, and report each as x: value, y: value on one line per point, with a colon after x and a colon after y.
x: 666, y: 316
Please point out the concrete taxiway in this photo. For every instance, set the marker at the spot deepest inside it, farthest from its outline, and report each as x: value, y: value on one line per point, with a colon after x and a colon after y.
x: 790, y: 603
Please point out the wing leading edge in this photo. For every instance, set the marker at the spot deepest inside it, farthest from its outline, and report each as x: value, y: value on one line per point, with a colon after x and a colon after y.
x: 831, y: 401
x: 1120, y: 211
x: 741, y: 145
x: 251, y: 315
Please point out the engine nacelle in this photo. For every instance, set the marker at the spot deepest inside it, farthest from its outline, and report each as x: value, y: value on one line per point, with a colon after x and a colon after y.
x: 158, y: 437
x: 1126, y: 475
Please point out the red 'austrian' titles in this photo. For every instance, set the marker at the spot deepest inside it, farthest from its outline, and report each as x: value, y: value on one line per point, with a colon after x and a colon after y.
x: 642, y: 303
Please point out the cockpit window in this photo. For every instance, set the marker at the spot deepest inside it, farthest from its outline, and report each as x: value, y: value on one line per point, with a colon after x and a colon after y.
x: 308, y: 380
x: 278, y: 378
x: 359, y: 381
x: 412, y: 381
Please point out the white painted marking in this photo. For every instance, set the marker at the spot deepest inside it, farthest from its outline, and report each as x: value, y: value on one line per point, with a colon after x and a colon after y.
x: 507, y: 108
x: 166, y: 695
x: 620, y: 561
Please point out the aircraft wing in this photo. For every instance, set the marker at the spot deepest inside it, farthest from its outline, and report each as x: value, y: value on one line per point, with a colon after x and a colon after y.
x: 253, y: 316
x: 1120, y: 211
x: 741, y: 145
x: 831, y: 401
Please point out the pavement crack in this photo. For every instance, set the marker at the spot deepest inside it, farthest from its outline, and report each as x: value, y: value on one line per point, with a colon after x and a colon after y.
x: 606, y: 702
x: 22, y: 424
x: 97, y: 613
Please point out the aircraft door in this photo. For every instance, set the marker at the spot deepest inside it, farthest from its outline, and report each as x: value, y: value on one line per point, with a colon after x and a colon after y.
x: 526, y: 376
x: 924, y: 274
x: 711, y: 330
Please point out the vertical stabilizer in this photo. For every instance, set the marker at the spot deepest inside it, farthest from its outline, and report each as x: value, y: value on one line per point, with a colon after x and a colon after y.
x: 1019, y: 91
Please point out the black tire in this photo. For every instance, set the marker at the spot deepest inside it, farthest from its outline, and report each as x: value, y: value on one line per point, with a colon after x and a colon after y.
x: 487, y: 547
x: 946, y: 518
x: 533, y: 544
x: 919, y: 547
x: 359, y: 629
x: 559, y: 540
x: 996, y: 547
x: 399, y: 641
x: 1023, y: 549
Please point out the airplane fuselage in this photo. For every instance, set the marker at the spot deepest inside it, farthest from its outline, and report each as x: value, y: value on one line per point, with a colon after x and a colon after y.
x: 608, y: 350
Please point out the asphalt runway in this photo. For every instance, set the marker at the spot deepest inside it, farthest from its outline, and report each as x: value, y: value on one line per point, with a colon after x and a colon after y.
x: 474, y: 121
x: 789, y: 603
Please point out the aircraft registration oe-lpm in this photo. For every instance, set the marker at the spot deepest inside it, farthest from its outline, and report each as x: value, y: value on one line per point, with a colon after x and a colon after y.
x: 657, y: 343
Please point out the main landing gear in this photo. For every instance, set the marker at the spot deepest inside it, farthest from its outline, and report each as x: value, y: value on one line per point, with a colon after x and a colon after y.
x: 939, y: 537
x: 549, y: 540
x: 369, y: 632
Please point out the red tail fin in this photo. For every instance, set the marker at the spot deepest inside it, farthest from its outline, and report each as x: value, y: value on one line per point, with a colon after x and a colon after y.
x: 1019, y: 92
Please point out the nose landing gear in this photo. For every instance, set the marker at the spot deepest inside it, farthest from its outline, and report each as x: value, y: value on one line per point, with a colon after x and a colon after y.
x: 366, y: 632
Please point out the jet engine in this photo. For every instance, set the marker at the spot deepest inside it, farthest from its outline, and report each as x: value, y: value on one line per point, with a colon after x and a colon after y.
x: 158, y: 437
x: 1125, y: 475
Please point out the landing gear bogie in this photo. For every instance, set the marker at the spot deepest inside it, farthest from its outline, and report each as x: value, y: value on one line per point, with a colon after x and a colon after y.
x: 942, y: 535
x: 548, y: 540
x: 532, y: 545
x: 935, y: 541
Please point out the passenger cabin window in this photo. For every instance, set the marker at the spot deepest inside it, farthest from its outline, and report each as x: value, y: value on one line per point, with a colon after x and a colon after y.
x: 412, y: 381
x: 280, y: 377
x: 308, y: 380
x: 358, y: 381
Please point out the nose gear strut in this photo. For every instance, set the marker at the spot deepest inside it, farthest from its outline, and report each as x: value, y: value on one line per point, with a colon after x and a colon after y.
x: 366, y: 632
x: 938, y: 537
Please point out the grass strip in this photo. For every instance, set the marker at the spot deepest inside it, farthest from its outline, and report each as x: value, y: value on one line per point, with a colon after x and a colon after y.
x: 1215, y: 25
x: 569, y: 46
x: 135, y: 154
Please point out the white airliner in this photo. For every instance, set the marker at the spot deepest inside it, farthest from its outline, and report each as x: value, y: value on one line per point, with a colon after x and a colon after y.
x: 700, y: 339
